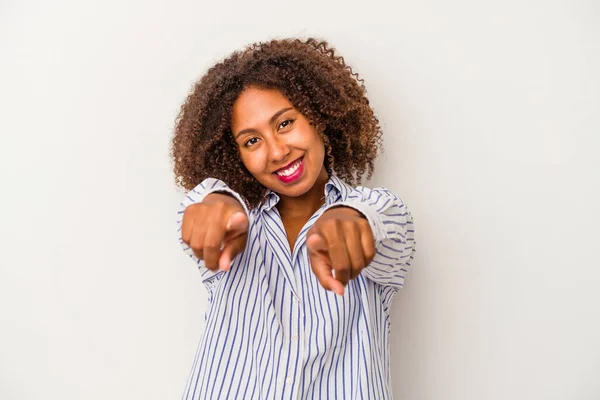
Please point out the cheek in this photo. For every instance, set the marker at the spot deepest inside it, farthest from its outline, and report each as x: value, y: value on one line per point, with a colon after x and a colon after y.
x: 320, y: 147
x: 312, y: 141
x: 253, y: 161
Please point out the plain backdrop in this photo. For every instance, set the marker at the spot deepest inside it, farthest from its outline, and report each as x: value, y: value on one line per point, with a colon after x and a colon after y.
x: 490, y: 112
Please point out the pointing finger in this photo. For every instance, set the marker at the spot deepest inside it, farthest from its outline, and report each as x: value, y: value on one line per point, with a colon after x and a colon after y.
x: 319, y: 262
x: 231, y: 249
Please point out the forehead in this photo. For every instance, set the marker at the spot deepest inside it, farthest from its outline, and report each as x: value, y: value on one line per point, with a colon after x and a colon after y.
x: 255, y: 107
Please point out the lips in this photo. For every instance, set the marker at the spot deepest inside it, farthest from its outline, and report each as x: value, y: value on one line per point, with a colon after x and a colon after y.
x: 290, y: 168
x: 290, y: 172
x: 289, y: 165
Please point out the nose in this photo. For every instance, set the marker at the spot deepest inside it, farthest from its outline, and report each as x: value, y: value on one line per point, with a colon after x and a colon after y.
x: 278, y: 150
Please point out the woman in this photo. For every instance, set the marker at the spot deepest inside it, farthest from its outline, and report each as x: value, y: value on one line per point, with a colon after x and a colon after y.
x: 300, y: 266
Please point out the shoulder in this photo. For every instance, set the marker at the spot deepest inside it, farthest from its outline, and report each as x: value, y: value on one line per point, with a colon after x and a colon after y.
x: 345, y: 192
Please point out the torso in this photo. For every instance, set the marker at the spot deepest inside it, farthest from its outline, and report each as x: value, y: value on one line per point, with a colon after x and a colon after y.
x: 293, y: 224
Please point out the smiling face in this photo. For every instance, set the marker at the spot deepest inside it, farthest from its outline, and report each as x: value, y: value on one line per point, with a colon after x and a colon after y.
x: 278, y: 145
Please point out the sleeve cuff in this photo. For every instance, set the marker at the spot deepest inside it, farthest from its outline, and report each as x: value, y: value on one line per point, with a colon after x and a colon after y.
x: 231, y: 192
x: 379, y: 232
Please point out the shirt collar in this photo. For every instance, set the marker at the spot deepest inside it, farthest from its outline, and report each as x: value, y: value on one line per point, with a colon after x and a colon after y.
x: 335, y: 190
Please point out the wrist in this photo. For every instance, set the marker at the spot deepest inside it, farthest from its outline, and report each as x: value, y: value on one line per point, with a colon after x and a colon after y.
x: 347, y: 211
x: 221, y: 197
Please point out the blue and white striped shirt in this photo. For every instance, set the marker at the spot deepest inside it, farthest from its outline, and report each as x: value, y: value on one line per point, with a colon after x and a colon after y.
x: 273, y: 332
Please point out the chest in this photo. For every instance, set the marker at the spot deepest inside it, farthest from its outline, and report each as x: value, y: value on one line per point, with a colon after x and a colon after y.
x: 292, y: 228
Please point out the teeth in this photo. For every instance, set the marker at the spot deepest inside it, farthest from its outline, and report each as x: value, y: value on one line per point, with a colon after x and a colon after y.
x: 290, y: 170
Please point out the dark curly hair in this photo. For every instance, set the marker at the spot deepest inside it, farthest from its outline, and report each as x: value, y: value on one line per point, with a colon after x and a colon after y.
x: 315, y: 79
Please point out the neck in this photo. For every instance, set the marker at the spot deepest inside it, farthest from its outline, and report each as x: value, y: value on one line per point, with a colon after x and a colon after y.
x: 304, y: 206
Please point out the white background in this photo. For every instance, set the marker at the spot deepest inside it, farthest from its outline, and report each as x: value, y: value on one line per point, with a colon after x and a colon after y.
x: 490, y: 113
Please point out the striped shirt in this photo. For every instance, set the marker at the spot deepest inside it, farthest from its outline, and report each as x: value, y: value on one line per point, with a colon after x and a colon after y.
x: 273, y: 332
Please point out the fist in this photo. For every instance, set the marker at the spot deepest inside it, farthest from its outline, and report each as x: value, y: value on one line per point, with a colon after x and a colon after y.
x: 216, y: 230
x: 340, y: 244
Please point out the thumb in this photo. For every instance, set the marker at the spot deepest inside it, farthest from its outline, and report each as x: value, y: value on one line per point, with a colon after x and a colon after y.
x: 237, y: 224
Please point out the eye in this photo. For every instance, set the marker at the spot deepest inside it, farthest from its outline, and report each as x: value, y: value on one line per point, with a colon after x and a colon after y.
x: 251, y: 142
x: 286, y: 123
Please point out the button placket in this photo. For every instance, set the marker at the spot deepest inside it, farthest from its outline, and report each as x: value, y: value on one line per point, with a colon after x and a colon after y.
x: 296, y: 338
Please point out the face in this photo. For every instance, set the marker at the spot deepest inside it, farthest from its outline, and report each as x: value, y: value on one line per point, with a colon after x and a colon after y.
x: 277, y: 144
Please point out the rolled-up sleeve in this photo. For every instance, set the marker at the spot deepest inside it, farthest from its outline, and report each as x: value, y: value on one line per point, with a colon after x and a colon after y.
x: 196, y: 195
x: 393, y: 231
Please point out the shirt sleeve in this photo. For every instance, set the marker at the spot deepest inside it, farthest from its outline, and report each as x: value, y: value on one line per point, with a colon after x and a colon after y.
x: 196, y: 195
x: 392, y: 226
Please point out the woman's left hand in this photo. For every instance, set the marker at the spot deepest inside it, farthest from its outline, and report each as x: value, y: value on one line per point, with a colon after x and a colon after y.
x: 340, y: 244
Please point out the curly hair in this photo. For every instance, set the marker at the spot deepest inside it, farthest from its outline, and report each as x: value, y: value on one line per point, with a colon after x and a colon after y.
x: 315, y: 79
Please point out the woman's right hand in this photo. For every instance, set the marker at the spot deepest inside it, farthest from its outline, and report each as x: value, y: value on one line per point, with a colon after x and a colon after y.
x: 216, y: 229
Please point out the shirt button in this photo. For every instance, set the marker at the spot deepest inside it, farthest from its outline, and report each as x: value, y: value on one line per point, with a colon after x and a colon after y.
x: 289, y: 381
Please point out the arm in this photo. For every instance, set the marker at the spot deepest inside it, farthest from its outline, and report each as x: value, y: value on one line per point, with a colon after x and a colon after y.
x: 370, y: 233
x: 393, y: 231
x: 210, y: 204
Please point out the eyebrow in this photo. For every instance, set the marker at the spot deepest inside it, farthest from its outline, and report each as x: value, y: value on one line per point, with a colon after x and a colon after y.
x: 273, y: 118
